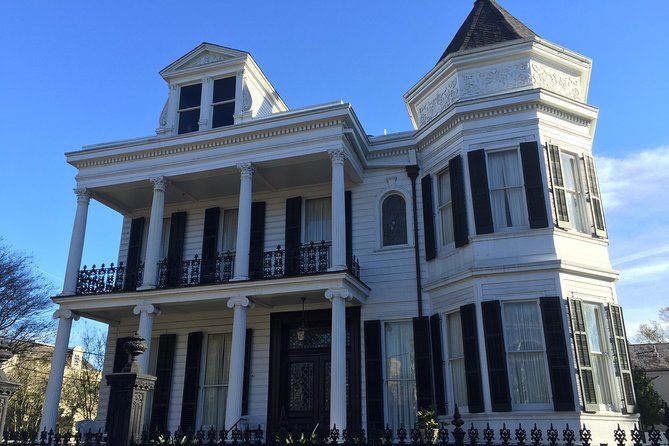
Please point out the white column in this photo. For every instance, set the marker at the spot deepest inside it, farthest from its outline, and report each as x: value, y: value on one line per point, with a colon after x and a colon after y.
x: 76, y: 242
x: 338, y: 211
x: 155, y: 236
x: 244, y: 222
x: 205, y: 103
x: 233, y: 405
x: 338, y: 297
x: 55, y: 384
x: 146, y: 314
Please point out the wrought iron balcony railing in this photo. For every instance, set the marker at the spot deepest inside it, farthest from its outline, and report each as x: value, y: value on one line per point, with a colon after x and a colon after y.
x: 196, y: 271
x: 111, y: 279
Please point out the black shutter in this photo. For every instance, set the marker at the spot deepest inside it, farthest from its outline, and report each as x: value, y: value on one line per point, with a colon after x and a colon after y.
x: 349, y: 229
x: 622, y: 360
x: 209, y: 245
x: 498, y: 376
x: 428, y: 217
x: 438, y: 364
x: 478, y: 179
x: 423, y: 361
x: 374, y: 377
x: 161, y: 393
x: 120, y: 355
x: 557, y: 183
x: 470, y: 346
x: 191, y: 381
x: 556, y: 353
x: 257, y: 245
x: 247, y: 371
x: 594, y: 196
x: 175, y: 250
x: 458, y: 201
x: 134, y: 250
x: 293, y: 233
x: 534, y: 185
x: 582, y: 349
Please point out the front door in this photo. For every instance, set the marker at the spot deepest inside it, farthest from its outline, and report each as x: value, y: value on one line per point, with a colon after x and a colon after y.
x: 300, y: 373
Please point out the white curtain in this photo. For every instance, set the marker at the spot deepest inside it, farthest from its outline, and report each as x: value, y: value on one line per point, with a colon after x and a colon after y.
x: 229, y: 230
x: 400, y: 374
x: 506, y: 189
x: 598, y: 357
x: 456, y: 359
x: 446, y: 208
x: 317, y: 220
x: 525, y: 353
x: 215, y: 389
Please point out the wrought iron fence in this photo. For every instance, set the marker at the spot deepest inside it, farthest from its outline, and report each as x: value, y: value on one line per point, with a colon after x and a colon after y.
x: 111, y: 279
x: 52, y: 438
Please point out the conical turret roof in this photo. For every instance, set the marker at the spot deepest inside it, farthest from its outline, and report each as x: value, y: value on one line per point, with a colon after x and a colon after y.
x: 488, y: 23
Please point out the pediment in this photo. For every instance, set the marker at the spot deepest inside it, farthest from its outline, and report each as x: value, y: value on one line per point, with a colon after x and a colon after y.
x: 205, y: 54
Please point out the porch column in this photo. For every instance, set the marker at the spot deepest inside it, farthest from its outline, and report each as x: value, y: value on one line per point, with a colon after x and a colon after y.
x: 146, y: 314
x: 338, y: 210
x: 155, y: 236
x: 338, y: 297
x: 76, y: 242
x: 233, y: 405
x: 55, y: 384
x: 243, y: 246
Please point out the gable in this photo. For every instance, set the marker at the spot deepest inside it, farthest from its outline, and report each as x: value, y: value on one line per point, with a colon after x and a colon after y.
x: 206, y: 54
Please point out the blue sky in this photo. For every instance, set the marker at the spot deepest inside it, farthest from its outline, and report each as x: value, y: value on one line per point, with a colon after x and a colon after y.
x: 78, y: 72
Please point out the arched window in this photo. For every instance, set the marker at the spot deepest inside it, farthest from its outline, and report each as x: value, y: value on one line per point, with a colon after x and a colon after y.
x: 394, y: 220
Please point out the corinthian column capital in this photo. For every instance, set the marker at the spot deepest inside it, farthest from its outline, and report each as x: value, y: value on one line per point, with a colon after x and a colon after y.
x: 338, y: 156
x: 246, y: 169
x: 159, y: 183
x: 83, y: 195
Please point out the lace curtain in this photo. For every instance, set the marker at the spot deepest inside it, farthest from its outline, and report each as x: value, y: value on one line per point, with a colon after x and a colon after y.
x: 400, y: 374
x: 506, y: 189
x: 317, y: 220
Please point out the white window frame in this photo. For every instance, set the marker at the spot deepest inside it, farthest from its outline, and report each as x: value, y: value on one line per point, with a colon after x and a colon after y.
x: 386, y: 400
x: 548, y: 405
x: 609, y: 375
x: 525, y: 224
x: 445, y: 206
x: 201, y: 379
x: 213, y: 104
x: 579, y: 192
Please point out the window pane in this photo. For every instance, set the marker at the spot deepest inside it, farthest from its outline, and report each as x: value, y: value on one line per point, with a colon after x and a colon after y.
x: 223, y: 115
x: 229, y: 230
x: 522, y: 330
x: 573, y: 192
x: 394, y: 221
x: 317, y: 220
x: 507, y: 197
x: 529, y: 382
x: 224, y: 89
x: 188, y: 121
x: 445, y: 208
x: 213, y: 408
x: 456, y: 359
x: 400, y: 374
x: 190, y: 96
x: 215, y: 388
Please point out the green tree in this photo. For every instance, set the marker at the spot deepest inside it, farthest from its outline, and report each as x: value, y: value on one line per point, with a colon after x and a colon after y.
x: 649, y: 402
x: 655, y: 331
x: 31, y: 372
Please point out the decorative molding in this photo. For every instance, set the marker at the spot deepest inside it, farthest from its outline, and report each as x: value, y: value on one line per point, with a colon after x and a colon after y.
x: 159, y: 183
x: 205, y: 58
x: 62, y: 313
x: 496, y: 79
x: 342, y: 293
x: 439, y: 101
x: 146, y: 308
x: 391, y: 182
x: 247, y: 100
x: 556, y: 81
x: 162, y: 120
x: 239, y: 301
x: 338, y: 156
x: 207, y: 81
x: 246, y: 169
x: 83, y: 195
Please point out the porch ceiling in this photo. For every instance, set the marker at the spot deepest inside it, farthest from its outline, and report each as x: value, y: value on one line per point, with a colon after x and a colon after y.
x: 222, y: 182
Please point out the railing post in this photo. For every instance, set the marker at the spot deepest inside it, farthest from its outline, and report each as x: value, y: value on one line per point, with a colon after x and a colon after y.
x: 458, y: 433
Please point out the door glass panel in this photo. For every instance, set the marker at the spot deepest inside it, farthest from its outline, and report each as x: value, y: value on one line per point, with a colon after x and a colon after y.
x: 301, y: 386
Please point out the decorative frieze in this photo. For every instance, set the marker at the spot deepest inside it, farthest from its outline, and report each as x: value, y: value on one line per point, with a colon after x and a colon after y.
x: 496, y: 79
x: 556, y: 81
x: 205, y: 59
x: 439, y: 101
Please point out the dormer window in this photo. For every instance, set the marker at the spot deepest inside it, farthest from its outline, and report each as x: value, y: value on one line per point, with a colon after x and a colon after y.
x: 223, y: 102
x: 189, y: 108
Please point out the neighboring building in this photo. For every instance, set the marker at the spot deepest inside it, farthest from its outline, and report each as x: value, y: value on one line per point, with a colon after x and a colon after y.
x: 240, y: 211
x: 654, y: 360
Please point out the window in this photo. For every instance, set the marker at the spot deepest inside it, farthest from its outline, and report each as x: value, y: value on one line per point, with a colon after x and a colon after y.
x: 223, y: 102
x: 394, y: 220
x: 599, y: 357
x: 573, y: 192
x: 456, y: 360
x: 507, y: 194
x: 446, y: 208
x: 525, y: 354
x: 317, y: 220
x: 229, y: 232
x: 400, y: 375
x: 189, y: 108
x: 215, y: 387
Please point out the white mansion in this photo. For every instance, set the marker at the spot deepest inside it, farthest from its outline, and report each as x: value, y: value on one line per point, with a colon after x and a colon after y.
x: 286, y: 267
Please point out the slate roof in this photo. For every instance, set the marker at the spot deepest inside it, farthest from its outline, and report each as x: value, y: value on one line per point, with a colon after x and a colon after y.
x: 650, y: 357
x: 488, y: 23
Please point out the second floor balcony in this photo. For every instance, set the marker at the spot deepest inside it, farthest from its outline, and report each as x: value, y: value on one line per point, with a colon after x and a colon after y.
x: 312, y: 258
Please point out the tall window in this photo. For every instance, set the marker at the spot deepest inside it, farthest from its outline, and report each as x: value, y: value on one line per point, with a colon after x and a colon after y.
x: 446, y: 208
x: 456, y: 360
x: 189, y: 108
x: 400, y: 374
x: 525, y: 353
x: 223, y: 102
x: 215, y: 387
x: 507, y: 194
x: 573, y: 192
x: 394, y: 219
x: 229, y: 233
x: 317, y: 220
x: 599, y: 357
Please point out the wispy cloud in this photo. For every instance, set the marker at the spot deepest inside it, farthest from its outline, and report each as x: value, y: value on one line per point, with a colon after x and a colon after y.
x: 641, y: 255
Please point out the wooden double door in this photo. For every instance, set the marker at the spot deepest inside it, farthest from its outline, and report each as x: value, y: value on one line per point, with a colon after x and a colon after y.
x: 299, y: 398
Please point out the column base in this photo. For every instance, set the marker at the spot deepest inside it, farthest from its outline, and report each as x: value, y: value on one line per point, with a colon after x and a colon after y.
x: 336, y: 268
x: 146, y: 287
x: 66, y: 293
x: 239, y: 279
